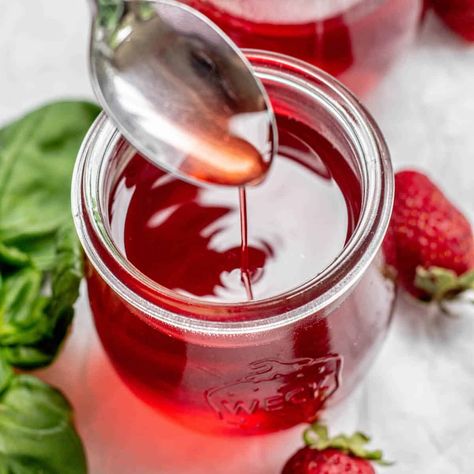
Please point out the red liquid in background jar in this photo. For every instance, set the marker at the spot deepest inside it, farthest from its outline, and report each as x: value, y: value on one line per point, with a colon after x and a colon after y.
x: 458, y: 15
x: 354, y: 40
x: 196, y: 242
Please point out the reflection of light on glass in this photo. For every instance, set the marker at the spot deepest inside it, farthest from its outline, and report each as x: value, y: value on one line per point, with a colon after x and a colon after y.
x: 123, y: 196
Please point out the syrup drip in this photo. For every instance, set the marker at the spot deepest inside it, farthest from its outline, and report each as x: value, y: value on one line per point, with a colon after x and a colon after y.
x: 244, y: 265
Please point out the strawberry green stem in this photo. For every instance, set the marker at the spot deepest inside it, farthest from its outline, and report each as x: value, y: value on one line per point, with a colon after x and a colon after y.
x: 442, y: 284
x: 317, y: 437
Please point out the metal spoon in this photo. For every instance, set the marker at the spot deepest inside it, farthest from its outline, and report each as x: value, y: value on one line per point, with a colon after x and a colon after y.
x: 181, y: 92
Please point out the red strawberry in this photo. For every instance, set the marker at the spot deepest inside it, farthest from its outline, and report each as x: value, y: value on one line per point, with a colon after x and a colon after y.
x: 429, y: 242
x: 339, y: 455
x: 457, y: 15
x: 331, y: 461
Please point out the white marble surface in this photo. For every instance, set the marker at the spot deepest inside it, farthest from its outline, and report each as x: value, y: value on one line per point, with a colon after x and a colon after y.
x: 418, y: 400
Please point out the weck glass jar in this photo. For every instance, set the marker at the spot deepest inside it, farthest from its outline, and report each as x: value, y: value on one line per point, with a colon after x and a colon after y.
x: 256, y: 366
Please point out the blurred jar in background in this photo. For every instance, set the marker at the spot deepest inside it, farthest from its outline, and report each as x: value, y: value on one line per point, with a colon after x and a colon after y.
x: 354, y: 40
x: 457, y: 15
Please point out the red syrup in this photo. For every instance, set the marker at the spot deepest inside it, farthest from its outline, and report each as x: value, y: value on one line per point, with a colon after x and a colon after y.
x: 188, y: 239
x: 356, y: 43
x: 229, y: 246
x: 457, y: 15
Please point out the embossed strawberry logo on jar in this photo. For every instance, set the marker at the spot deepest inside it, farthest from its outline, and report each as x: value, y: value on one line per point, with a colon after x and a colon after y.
x: 295, y: 390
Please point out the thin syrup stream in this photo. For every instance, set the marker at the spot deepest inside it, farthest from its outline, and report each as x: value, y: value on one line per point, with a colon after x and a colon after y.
x: 244, y: 264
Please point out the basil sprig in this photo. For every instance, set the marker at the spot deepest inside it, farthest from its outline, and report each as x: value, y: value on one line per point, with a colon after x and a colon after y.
x: 40, y: 273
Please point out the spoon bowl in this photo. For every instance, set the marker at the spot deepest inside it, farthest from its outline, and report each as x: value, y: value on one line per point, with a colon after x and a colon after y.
x: 181, y: 92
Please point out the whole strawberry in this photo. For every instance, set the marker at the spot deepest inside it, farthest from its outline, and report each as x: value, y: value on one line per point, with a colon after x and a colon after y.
x: 457, y: 15
x: 339, y: 455
x: 429, y: 243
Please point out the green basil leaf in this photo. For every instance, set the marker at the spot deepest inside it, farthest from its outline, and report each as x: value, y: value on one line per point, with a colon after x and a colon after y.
x: 26, y: 357
x: 22, y: 317
x: 109, y: 14
x: 10, y: 256
x: 6, y: 375
x: 37, y: 155
x: 33, y: 326
x: 40, y: 257
x: 67, y: 273
x: 40, y: 274
x: 37, y: 435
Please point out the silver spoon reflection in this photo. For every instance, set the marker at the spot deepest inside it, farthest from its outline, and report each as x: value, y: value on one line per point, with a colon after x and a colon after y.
x: 181, y: 92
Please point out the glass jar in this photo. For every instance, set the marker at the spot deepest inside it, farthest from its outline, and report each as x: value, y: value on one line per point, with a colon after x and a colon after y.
x: 354, y: 40
x: 258, y: 366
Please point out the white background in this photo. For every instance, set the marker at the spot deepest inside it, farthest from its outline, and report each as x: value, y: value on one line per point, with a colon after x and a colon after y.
x: 417, y: 402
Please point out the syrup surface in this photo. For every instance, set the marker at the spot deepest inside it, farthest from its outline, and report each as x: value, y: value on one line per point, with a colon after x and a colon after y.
x: 195, y: 241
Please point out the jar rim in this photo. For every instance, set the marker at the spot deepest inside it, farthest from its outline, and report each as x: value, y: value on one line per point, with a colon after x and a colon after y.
x: 333, y: 282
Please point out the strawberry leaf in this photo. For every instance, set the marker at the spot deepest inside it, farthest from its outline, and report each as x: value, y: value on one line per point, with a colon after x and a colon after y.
x: 317, y: 437
x: 443, y: 284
